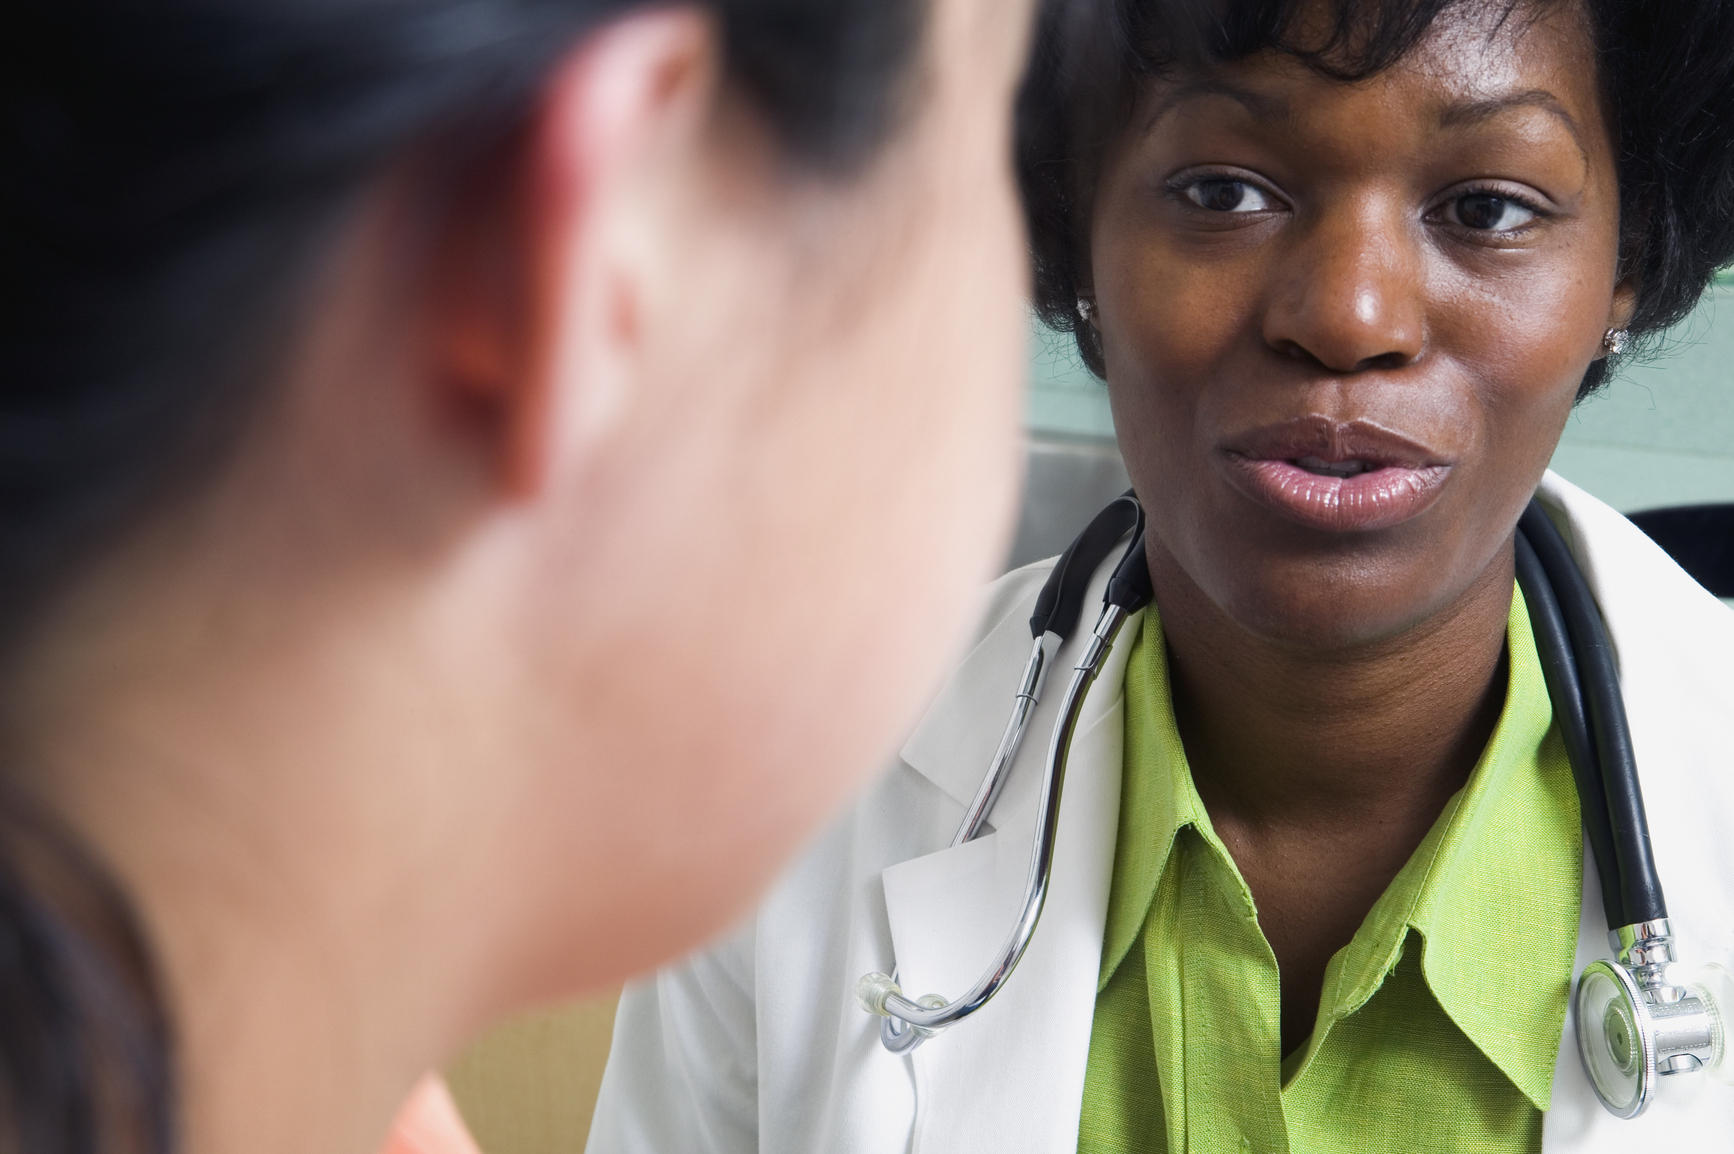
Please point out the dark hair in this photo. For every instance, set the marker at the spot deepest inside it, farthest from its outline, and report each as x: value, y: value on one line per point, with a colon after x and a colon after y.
x: 84, y: 1042
x: 1667, y: 71
x: 170, y: 170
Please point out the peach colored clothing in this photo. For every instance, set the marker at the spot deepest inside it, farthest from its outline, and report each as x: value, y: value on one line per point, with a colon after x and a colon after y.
x: 428, y: 1123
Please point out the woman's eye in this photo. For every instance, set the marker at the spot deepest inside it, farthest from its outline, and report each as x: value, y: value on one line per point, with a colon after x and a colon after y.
x: 1486, y: 212
x: 1222, y: 195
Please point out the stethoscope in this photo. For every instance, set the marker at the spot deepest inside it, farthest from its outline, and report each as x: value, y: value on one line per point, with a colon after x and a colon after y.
x: 1634, y: 1026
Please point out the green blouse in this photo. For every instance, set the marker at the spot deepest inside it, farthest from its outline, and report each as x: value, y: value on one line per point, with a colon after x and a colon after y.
x: 1439, y: 1023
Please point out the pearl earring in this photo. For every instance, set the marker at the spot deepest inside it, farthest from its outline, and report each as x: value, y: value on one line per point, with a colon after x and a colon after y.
x: 1087, y: 310
x: 1614, y: 342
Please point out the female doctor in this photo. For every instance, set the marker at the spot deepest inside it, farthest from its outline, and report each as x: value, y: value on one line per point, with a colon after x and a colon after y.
x: 1319, y: 881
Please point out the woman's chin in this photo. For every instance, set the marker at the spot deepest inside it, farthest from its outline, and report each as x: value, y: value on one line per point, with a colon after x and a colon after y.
x: 1326, y: 610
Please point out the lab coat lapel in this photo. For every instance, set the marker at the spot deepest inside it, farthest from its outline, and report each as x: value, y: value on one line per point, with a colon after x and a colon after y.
x: 1011, y: 1076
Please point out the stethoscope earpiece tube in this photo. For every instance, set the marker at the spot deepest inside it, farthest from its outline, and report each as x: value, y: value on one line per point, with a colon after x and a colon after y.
x: 1640, y: 887
x: 906, y: 1023
x: 1129, y: 587
x: 1061, y: 601
x: 1565, y: 690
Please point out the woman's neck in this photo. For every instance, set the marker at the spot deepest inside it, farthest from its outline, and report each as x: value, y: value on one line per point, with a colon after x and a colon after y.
x: 1323, y: 768
x: 1292, y: 735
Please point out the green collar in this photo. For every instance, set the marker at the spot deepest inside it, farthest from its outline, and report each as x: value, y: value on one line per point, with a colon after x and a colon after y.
x: 1487, y: 889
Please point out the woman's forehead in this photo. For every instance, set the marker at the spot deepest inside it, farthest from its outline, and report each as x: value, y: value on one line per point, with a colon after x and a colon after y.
x: 1473, y: 66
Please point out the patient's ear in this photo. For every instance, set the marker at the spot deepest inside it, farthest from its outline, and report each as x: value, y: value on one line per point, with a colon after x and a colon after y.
x: 536, y: 281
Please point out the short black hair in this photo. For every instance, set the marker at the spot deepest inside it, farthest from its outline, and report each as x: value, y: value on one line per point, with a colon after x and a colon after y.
x: 1667, y: 73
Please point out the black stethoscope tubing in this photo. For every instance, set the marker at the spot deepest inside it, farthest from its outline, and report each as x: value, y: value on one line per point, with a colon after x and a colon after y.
x: 1584, y: 685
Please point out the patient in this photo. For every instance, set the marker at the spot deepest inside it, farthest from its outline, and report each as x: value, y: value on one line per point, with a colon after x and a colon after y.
x: 479, y: 480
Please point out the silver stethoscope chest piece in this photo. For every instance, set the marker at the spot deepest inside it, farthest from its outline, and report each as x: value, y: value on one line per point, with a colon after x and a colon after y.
x: 1614, y: 1038
x: 1639, y: 1018
x: 1635, y: 1027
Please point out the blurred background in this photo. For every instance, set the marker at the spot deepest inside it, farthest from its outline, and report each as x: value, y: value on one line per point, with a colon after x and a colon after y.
x: 1662, y: 434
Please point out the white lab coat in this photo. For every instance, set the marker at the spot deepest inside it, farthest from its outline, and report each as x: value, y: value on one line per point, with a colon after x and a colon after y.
x: 756, y: 1044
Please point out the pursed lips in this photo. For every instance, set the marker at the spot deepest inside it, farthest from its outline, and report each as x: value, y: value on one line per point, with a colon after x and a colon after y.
x: 1335, y: 476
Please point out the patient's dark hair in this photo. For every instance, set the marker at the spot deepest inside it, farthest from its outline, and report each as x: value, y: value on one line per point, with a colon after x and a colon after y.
x: 170, y: 172
x: 1667, y: 71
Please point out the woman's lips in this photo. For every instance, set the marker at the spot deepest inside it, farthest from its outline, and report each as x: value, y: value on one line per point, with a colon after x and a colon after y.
x: 1341, y: 478
x: 1374, y: 499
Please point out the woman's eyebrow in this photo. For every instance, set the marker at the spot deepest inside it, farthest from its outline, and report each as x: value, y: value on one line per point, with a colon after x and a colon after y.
x: 1469, y: 112
x: 1263, y: 107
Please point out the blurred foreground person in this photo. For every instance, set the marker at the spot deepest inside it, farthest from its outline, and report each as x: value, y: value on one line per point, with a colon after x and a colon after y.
x: 479, y: 479
x: 1319, y: 881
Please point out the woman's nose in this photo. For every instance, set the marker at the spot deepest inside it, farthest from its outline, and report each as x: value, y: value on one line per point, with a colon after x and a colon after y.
x: 1350, y: 296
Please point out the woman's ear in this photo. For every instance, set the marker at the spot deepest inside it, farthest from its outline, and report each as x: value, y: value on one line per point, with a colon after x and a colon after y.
x: 1625, y: 303
x: 1620, y: 311
x: 536, y: 258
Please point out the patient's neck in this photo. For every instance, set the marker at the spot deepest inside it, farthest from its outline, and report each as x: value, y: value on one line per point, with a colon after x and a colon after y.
x: 255, y: 792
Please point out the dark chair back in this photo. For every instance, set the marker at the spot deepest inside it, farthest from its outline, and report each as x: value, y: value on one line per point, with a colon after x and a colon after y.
x: 1700, y: 539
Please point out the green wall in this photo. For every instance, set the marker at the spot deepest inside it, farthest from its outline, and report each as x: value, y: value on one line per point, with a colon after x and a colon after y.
x: 1661, y: 434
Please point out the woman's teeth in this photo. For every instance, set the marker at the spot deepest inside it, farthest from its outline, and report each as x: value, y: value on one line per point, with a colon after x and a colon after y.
x: 1333, y: 468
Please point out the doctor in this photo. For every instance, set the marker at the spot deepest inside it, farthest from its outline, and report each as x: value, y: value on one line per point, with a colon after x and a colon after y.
x: 1320, y: 883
